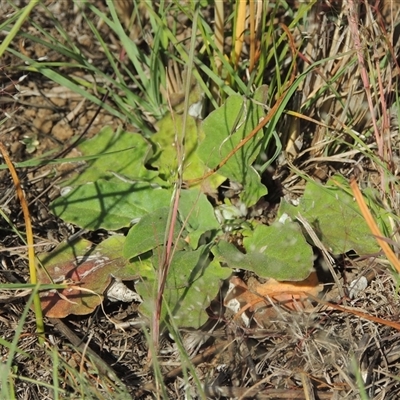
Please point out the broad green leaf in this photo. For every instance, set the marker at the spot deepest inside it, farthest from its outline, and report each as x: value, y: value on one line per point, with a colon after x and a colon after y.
x: 198, y: 214
x: 166, y: 155
x: 149, y: 233
x: 279, y: 251
x: 109, y: 204
x: 90, y: 270
x: 192, y: 283
x: 224, y: 129
x: 129, y: 161
x: 335, y: 217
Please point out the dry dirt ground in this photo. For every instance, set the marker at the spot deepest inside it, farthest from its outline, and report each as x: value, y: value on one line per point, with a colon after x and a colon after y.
x: 320, y: 353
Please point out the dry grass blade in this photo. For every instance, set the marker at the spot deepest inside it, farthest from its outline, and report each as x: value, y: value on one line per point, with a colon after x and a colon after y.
x: 239, y: 31
x: 30, y: 243
x: 334, y: 87
x: 374, y: 227
x: 360, y: 314
x: 353, y: 23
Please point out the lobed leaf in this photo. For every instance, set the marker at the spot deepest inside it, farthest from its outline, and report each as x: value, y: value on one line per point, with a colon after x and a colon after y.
x: 198, y: 214
x: 130, y: 152
x: 149, y: 233
x: 279, y: 251
x: 224, y: 129
x: 193, y: 282
x: 335, y: 217
x: 170, y: 130
x: 108, y: 204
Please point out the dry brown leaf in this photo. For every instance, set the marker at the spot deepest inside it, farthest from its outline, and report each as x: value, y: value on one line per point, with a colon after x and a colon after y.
x: 256, y: 297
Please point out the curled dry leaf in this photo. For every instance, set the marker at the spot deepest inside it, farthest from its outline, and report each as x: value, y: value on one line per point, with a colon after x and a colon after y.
x: 255, y: 300
x: 118, y: 291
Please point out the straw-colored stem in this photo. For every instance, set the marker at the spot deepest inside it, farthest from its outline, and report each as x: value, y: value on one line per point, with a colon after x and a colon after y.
x: 239, y: 30
x: 29, y: 241
x: 219, y: 33
x: 373, y: 226
x: 252, y: 36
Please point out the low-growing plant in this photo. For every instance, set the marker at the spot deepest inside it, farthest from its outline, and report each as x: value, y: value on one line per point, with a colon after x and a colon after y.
x: 127, y: 181
x: 131, y: 189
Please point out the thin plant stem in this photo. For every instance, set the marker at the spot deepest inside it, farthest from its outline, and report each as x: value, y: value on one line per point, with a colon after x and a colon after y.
x: 29, y: 239
x: 169, y: 249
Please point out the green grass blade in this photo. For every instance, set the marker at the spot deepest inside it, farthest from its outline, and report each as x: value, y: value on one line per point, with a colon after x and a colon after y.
x: 16, y: 28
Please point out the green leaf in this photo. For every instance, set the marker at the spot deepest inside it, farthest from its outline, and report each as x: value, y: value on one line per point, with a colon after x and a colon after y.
x: 335, y: 217
x: 279, y: 251
x: 89, y: 268
x: 198, y: 213
x: 166, y: 156
x: 192, y: 283
x: 108, y: 204
x: 224, y: 129
x: 133, y: 150
x: 149, y: 233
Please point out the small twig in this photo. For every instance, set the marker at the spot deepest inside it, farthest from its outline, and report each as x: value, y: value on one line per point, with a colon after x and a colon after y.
x: 76, y: 342
x: 219, y: 33
x: 197, y: 360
